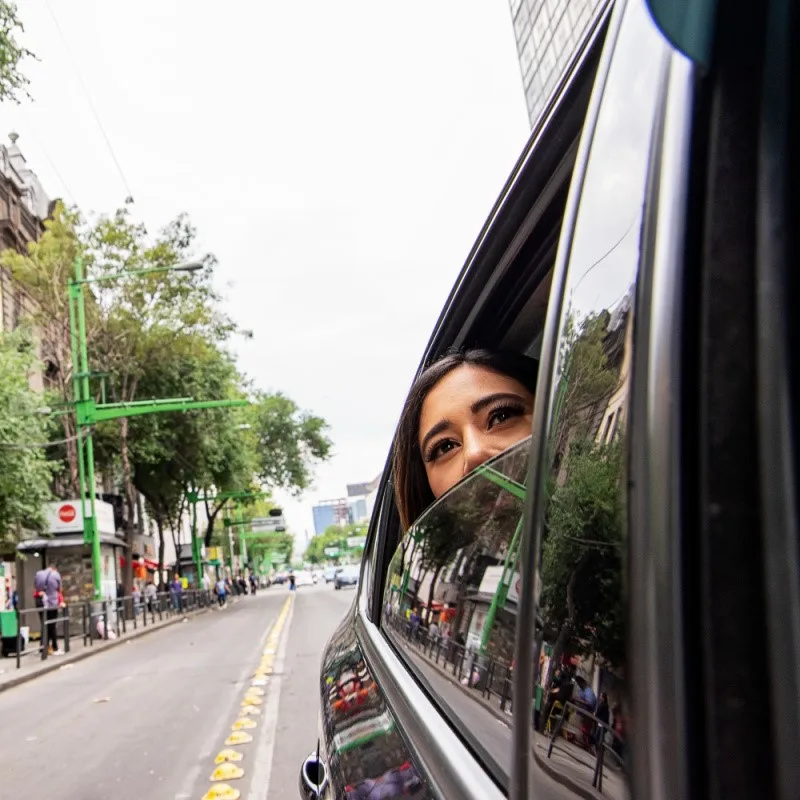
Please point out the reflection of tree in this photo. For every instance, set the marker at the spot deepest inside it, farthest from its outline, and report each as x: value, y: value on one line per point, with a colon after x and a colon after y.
x: 582, y: 554
x: 590, y: 372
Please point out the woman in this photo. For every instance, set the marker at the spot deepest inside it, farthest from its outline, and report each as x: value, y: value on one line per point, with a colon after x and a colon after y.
x: 461, y: 411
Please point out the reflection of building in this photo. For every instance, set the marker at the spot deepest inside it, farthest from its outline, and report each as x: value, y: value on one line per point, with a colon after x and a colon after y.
x: 618, y: 346
x: 547, y: 33
x: 330, y: 512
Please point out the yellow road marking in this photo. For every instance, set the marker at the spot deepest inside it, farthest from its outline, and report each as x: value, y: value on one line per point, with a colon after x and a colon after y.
x: 226, y: 770
x: 221, y: 791
x: 228, y: 755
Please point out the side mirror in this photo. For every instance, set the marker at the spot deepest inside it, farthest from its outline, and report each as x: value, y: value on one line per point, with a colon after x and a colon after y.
x: 313, y: 778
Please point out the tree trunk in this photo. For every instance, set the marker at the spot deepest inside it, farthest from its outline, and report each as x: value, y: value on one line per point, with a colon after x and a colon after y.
x: 130, y: 505
x: 567, y: 626
x: 162, y: 543
x: 432, y: 589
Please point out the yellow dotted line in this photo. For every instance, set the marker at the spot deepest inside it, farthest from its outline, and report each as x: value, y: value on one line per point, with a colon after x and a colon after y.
x: 227, y: 760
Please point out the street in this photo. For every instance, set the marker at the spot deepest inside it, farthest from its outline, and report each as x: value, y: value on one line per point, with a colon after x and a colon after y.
x: 146, y: 719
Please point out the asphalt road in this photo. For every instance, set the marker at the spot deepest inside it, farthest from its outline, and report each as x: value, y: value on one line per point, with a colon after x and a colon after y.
x: 146, y: 719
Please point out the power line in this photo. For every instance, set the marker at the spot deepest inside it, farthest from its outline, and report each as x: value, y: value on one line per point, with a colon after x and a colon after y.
x: 47, y: 158
x: 129, y: 198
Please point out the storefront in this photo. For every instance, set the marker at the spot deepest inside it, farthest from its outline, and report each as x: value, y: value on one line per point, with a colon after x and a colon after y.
x: 64, y: 546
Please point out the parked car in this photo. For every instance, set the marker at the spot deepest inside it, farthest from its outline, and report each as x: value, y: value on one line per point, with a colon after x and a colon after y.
x: 628, y: 572
x: 346, y: 576
x: 330, y: 574
x: 280, y: 578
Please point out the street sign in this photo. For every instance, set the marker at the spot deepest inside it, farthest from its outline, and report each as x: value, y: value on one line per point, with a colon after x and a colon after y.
x: 356, y: 541
x: 268, y: 524
x: 331, y: 551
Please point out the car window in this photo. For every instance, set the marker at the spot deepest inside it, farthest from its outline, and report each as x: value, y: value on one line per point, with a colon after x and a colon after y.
x: 582, y: 717
x: 450, y: 600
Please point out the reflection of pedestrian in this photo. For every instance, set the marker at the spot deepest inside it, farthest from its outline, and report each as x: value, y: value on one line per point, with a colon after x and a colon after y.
x: 47, y: 583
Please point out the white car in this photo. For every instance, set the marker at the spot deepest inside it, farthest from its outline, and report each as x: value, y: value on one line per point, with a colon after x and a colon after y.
x: 303, y: 578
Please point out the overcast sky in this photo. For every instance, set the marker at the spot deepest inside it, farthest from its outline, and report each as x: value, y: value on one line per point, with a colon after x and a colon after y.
x: 338, y: 158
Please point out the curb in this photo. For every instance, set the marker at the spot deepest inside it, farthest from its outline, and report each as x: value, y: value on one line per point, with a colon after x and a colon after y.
x: 89, y: 651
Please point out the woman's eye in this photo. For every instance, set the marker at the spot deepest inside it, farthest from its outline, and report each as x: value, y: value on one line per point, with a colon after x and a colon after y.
x: 440, y: 449
x: 503, y: 414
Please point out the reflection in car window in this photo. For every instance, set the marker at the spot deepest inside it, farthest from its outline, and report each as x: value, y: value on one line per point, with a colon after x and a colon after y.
x: 451, y: 598
x: 582, y: 715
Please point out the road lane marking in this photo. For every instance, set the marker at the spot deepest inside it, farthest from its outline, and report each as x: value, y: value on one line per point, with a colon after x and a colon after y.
x: 226, y: 770
x: 265, y: 746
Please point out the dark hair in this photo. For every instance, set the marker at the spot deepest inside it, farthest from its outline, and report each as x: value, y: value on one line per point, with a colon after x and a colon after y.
x: 411, y: 489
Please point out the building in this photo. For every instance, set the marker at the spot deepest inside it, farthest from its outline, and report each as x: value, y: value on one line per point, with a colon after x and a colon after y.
x: 361, y: 499
x: 331, y: 512
x: 548, y: 33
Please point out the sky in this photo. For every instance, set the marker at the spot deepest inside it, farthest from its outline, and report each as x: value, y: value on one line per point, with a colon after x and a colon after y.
x: 339, y: 159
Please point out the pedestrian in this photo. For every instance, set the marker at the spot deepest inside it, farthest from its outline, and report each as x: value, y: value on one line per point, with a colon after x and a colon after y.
x: 292, y: 581
x: 176, y: 591
x: 136, y: 593
x: 150, y: 594
x: 252, y: 583
x: 221, y: 592
x: 47, y: 583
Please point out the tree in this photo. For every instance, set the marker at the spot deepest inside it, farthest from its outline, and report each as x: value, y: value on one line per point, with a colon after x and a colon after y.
x: 44, y: 274
x: 25, y: 473
x: 147, y: 318
x: 581, y: 596
x: 13, y: 83
x: 290, y: 442
x: 333, y: 536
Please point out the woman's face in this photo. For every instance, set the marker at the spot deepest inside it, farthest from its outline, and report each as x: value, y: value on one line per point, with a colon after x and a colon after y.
x: 470, y: 415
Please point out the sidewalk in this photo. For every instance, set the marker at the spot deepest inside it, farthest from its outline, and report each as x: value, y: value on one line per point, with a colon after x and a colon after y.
x: 569, y: 764
x: 32, y: 665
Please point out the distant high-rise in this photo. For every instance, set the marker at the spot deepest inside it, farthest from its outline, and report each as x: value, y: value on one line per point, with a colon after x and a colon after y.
x: 548, y: 33
x: 330, y: 512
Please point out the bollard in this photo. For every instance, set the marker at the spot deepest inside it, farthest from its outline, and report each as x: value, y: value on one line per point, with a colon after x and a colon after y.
x: 19, y: 639
x: 66, y: 629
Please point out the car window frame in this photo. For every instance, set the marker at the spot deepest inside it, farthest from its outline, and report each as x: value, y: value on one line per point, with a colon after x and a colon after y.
x: 403, y: 690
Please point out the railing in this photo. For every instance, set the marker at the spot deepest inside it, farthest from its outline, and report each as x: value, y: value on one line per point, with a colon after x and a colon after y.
x: 487, y: 675
x: 598, y: 735
x: 102, y: 619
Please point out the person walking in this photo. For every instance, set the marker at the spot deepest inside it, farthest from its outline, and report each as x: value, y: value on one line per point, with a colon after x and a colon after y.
x: 47, y: 583
x: 222, y: 591
x: 150, y: 595
x: 176, y: 590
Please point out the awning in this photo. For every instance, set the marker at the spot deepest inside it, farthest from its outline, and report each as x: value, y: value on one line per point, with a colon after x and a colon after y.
x: 141, y: 562
x: 64, y: 541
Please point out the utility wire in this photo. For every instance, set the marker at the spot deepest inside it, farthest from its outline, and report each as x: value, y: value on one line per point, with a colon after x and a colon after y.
x: 129, y: 198
x: 47, y: 158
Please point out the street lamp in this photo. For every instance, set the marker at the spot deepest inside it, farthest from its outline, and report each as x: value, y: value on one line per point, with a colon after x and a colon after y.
x: 88, y: 413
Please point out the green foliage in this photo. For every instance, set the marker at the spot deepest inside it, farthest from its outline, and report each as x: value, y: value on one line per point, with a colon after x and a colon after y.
x: 290, y: 442
x: 582, y: 553
x: 13, y: 83
x: 25, y: 474
x: 334, y: 536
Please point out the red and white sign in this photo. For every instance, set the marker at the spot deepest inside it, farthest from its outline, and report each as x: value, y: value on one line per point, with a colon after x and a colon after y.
x: 67, y: 513
x: 66, y: 516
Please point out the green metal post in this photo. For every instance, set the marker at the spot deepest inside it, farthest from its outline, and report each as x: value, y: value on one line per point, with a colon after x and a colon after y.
x: 81, y: 408
x: 196, y: 549
x: 501, y: 592
x: 76, y: 390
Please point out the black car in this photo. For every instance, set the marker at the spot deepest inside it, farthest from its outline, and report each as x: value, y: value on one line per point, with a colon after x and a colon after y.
x: 611, y: 605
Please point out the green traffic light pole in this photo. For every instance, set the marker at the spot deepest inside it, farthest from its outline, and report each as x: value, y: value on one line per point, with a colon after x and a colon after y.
x: 194, y: 497
x: 88, y: 413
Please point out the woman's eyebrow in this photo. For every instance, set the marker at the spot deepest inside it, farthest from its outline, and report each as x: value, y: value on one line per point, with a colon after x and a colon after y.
x: 440, y: 426
x: 479, y: 405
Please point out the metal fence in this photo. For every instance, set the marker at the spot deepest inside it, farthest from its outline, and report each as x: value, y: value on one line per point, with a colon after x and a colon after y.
x: 96, y: 620
x: 491, y: 677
